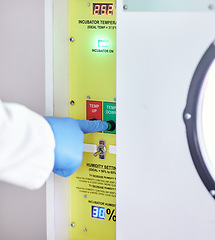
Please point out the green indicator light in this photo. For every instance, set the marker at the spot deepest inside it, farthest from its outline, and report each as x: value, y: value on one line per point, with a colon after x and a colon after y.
x: 103, y: 43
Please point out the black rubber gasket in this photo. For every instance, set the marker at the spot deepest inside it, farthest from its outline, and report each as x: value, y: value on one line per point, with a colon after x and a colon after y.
x: 191, y: 123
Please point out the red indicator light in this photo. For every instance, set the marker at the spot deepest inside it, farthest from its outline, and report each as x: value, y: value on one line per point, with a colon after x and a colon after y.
x: 101, y: 142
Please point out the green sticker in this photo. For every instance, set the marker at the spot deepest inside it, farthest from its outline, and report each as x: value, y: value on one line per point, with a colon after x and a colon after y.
x: 109, y: 113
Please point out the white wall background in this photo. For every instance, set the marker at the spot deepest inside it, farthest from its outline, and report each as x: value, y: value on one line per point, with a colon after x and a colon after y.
x: 22, y: 80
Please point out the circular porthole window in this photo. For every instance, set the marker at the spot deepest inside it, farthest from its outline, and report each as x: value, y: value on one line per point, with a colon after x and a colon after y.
x: 199, y: 118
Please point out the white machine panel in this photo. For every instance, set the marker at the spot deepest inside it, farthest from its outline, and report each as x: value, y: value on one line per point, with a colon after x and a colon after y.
x: 168, y: 5
x: 160, y: 195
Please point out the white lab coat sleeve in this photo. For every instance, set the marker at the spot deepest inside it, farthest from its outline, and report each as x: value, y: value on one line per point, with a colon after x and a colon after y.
x: 26, y: 146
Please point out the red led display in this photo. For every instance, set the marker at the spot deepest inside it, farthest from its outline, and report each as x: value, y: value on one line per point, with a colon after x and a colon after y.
x: 104, y: 9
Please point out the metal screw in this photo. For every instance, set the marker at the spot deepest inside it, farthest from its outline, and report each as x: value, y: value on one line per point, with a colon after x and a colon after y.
x: 211, y: 6
x: 187, y: 116
x: 72, y: 102
x: 88, y: 97
x: 72, y: 39
x: 85, y: 229
x: 85, y: 196
x: 72, y: 224
x: 125, y: 7
x: 88, y: 4
x: 212, y: 192
x: 115, y: 99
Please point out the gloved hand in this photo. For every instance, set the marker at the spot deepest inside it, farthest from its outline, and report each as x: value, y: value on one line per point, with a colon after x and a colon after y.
x: 69, y: 140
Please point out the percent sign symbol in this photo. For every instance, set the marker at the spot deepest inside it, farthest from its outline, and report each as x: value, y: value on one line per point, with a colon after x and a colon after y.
x: 112, y: 216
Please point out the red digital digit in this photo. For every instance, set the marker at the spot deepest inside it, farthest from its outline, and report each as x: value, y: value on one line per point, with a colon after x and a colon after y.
x: 96, y: 10
x: 110, y: 9
x: 103, y: 10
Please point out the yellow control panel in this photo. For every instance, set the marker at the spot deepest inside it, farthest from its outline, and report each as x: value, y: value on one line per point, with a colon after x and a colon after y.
x: 92, y: 91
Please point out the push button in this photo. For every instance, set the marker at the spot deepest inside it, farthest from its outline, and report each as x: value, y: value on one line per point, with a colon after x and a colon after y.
x: 94, y: 110
x: 109, y: 115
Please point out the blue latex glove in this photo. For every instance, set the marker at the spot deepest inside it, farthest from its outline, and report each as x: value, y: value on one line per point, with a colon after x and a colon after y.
x: 69, y: 140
